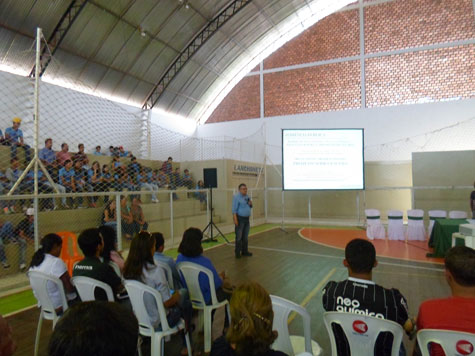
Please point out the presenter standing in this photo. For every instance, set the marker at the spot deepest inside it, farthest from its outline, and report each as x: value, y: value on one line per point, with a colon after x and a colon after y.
x: 241, y: 211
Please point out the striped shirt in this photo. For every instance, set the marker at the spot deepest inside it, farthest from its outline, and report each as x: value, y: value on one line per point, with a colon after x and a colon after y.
x: 367, y: 298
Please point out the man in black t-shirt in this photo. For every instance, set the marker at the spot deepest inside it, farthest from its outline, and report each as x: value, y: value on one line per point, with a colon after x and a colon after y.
x: 91, y: 244
x: 360, y: 295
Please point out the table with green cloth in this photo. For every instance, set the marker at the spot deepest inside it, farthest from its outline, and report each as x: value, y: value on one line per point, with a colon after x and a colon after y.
x: 441, y: 236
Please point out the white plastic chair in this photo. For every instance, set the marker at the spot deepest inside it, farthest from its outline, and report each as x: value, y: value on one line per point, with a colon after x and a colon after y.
x: 374, y: 228
x: 168, y: 272
x: 190, y: 272
x: 38, y: 282
x: 452, y: 342
x: 432, y: 215
x: 395, y: 225
x: 415, y: 225
x: 136, y: 291
x: 292, y: 345
x: 362, y: 331
x: 468, y: 240
x: 457, y: 214
x: 86, y: 287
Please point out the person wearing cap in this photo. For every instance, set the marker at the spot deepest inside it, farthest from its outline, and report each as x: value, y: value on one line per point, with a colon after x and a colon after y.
x: 25, y: 232
x: 14, y: 138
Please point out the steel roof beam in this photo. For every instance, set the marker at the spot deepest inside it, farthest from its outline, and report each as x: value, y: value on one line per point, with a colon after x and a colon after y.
x: 59, y: 32
x: 194, y: 45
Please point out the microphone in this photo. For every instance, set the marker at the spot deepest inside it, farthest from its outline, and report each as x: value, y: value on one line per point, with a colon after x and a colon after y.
x: 248, y: 201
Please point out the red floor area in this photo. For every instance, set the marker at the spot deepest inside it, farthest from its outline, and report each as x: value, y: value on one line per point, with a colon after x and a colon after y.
x: 411, y: 251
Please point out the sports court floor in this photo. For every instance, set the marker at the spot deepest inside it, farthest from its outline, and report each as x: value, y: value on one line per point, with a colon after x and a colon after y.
x: 297, y: 268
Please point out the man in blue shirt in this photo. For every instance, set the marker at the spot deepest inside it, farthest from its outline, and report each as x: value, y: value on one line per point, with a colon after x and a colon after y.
x: 160, y: 256
x: 14, y: 138
x: 241, y: 211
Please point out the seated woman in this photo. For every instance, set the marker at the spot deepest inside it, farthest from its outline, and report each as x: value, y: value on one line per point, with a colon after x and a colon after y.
x: 46, y: 260
x: 190, y: 250
x: 109, y: 217
x: 129, y: 229
x: 109, y: 251
x: 200, y: 195
x: 141, y: 267
x: 250, y: 332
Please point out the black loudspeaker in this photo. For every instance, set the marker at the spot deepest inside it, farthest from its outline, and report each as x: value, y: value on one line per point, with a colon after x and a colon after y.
x: 210, y: 176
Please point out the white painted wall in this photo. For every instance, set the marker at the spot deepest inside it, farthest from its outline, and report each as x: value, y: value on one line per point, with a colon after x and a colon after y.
x: 382, y: 127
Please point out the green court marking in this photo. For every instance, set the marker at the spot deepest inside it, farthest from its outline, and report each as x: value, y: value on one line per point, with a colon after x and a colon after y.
x: 17, y: 301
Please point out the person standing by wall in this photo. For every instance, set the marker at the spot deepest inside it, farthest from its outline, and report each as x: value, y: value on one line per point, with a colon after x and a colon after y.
x: 242, y: 206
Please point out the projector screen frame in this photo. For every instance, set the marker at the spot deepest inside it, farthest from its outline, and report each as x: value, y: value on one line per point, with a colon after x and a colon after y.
x: 324, y: 129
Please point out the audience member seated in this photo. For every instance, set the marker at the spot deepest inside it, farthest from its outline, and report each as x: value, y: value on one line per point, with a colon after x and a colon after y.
x: 7, y: 344
x: 107, y: 181
x: 95, y: 328
x: 160, y: 256
x: 133, y: 168
x: 98, y: 152
x: 66, y: 178
x: 250, y: 332
x: 190, y: 250
x: 167, y: 167
x: 200, y: 195
x: 137, y: 214
x: 80, y: 155
x: 177, y: 180
x: 91, y: 243
x: 141, y: 267
x: 116, y: 162
x: 109, y: 252
x: 13, y: 173
x: 458, y: 311
x: 8, y: 206
x: 94, y: 180
x: 6, y: 235
x: 48, y: 157
x: 109, y: 215
x: 142, y: 183
x: 123, y: 153
x: 187, y: 181
x: 46, y: 260
x: 365, y: 295
x: 163, y: 179
x: 25, y: 233
x: 63, y: 155
x: 14, y: 138
x: 80, y: 182
x: 111, y: 151
x: 129, y: 228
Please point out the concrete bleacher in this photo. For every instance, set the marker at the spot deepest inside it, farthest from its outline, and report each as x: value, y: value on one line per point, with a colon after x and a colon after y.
x: 187, y: 211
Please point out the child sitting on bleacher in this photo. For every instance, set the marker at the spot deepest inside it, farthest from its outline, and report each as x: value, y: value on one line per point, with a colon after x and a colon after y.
x: 107, y: 181
x: 66, y: 178
x: 142, y: 183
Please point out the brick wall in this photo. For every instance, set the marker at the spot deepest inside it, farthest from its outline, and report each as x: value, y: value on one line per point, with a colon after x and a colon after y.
x: 335, y: 36
x: 296, y: 81
x: 422, y: 76
x: 330, y: 87
x: 242, y: 102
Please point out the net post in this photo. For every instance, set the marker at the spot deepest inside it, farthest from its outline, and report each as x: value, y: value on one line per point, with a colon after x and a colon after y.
x: 36, y: 117
x: 118, y: 214
x: 171, y: 219
x: 309, y: 211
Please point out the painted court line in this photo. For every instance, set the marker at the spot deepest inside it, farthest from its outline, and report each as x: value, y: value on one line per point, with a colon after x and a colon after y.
x: 340, y: 258
x: 312, y: 294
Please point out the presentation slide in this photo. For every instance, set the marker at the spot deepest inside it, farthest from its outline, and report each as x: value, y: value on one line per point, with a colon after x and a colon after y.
x: 323, y: 159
